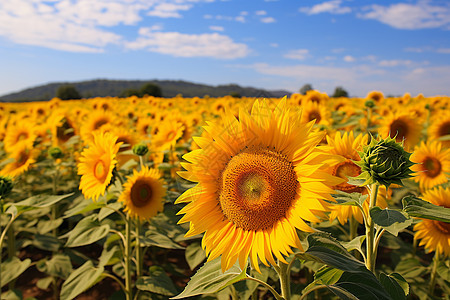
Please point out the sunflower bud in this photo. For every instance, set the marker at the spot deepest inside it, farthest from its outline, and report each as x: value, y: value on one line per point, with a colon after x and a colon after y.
x: 6, y: 186
x: 140, y: 149
x: 370, y: 103
x: 55, y: 152
x: 384, y: 162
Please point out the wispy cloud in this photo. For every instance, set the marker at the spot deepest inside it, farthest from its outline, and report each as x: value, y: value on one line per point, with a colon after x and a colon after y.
x: 261, y: 13
x: 188, y: 45
x: 217, y: 28
x: 349, y: 58
x: 268, y: 20
x: 410, y: 16
x: 394, y: 63
x: 299, y: 54
x: 168, y: 10
x: 332, y: 7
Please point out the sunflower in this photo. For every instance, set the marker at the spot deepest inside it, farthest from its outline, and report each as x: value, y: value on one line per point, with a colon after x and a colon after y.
x: 23, y: 158
x: 432, y: 164
x: 435, y: 235
x: 440, y: 127
x: 315, y: 96
x: 315, y: 111
x: 94, y: 122
x: 21, y: 134
x: 97, y: 163
x: 401, y: 126
x: 168, y: 134
x: 143, y: 194
x: 259, y: 180
x: 347, y: 147
x: 376, y: 96
x: 128, y: 139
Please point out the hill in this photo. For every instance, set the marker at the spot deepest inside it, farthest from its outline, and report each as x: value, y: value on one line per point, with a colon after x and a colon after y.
x: 113, y: 88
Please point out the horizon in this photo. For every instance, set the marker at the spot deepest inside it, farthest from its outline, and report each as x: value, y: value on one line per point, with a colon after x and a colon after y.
x: 393, y: 47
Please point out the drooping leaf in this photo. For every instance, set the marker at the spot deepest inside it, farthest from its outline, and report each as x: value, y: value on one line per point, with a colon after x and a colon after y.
x: 327, y: 275
x: 245, y: 288
x: 45, y: 282
x: 154, y: 238
x: 362, y: 285
x: 12, y: 268
x: 392, y: 287
x: 80, y: 280
x: 355, y: 244
x: 84, y: 206
x: 58, y: 266
x: 87, y: 231
x: 354, y: 199
x: 39, y: 201
x: 195, y: 255
x: 419, y: 208
x: 210, y: 279
x: 158, y: 282
x: 108, y: 210
x: 391, y: 220
x: 45, y: 226
x: 109, y: 256
x: 46, y: 242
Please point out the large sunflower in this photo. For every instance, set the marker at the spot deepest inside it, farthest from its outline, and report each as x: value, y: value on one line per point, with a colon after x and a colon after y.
x: 440, y: 127
x: 23, y: 158
x: 435, y: 235
x: 432, y: 164
x: 401, y: 126
x: 347, y: 147
x: 259, y: 180
x: 143, y: 193
x: 20, y: 134
x: 97, y: 164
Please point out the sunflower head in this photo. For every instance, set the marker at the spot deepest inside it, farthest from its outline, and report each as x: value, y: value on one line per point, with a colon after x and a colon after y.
x: 143, y: 194
x: 6, y: 186
x: 384, y: 162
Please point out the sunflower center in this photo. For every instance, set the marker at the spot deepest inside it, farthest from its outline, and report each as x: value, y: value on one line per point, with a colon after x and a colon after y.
x: 141, y: 193
x: 442, y: 227
x: 432, y: 166
x: 444, y: 129
x: 126, y: 144
x: 22, y: 136
x: 315, y: 115
x: 171, y: 135
x: 100, y: 123
x: 100, y: 170
x: 22, y: 159
x: 400, y: 129
x: 344, y: 170
x: 257, y: 188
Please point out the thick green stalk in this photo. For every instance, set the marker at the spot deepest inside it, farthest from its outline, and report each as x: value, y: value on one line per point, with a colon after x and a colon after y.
x: 138, y: 248
x: 433, y: 274
x: 370, y: 226
x: 285, y: 280
x: 129, y: 291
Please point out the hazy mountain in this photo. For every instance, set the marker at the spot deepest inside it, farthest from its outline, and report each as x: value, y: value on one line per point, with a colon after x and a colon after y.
x: 170, y: 88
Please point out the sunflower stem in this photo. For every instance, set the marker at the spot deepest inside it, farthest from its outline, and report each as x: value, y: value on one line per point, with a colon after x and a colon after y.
x: 128, y: 292
x: 138, y: 247
x: 370, y: 226
x: 141, y: 160
x: 353, y: 227
x: 433, y: 274
x: 285, y: 280
x: 271, y: 289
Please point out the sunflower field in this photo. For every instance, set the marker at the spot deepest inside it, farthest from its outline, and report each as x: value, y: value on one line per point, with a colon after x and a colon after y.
x: 304, y: 197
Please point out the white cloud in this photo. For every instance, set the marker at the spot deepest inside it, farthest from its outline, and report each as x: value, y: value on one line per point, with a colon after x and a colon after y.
x: 217, y: 28
x: 394, y: 63
x: 443, y: 50
x: 410, y: 16
x: 240, y: 19
x: 168, y: 10
x: 349, y: 58
x: 333, y: 7
x: 268, y: 20
x: 299, y: 54
x: 189, y: 45
x: 274, y: 45
x: 261, y: 12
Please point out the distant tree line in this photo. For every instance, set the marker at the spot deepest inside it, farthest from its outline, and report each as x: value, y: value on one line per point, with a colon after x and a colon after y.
x: 69, y: 92
x: 338, y: 91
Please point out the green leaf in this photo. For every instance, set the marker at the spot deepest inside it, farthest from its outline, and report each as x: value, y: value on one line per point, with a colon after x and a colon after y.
x: 12, y: 268
x: 158, y: 282
x: 355, y: 244
x: 45, y: 226
x: 353, y: 199
x: 362, y: 285
x: 393, y: 287
x: 58, y: 266
x: 80, y: 280
x: 154, y: 238
x: 44, y: 283
x: 195, y: 255
x: 391, y: 220
x: 83, y: 207
x: 40, y: 201
x: 46, y: 242
x: 13, y: 295
x: 109, y: 256
x: 443, y: 269
x: 210, y: 279
x: 87, y: 231
x: 419, y: 208
x: 410, y: 267
x: 245, y: 288
x: 325, y: 249
x: 109, y: 209
x: 327, y: 275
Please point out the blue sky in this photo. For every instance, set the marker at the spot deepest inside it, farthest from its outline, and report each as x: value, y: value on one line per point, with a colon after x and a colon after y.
x: 361, y: 45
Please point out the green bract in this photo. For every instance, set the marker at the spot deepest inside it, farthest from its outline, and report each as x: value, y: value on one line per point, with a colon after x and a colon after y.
x: 55, y: 152
x: 384, y: 162
x: 140, y: 149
